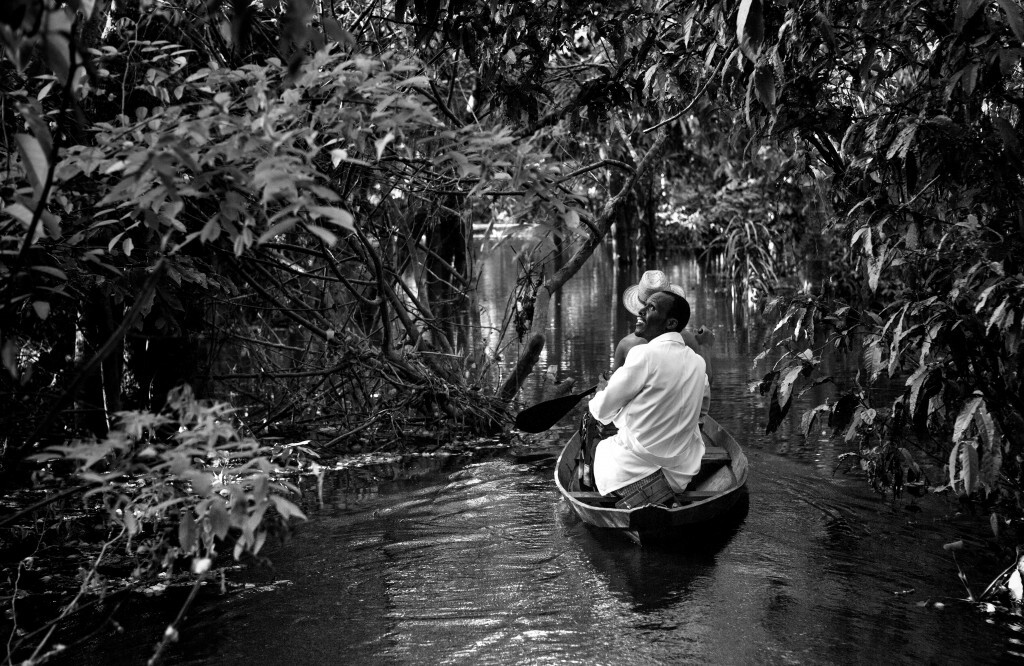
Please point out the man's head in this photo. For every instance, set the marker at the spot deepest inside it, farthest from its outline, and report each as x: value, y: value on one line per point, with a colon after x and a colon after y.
x: 651, y: 282
x: 664, y: 311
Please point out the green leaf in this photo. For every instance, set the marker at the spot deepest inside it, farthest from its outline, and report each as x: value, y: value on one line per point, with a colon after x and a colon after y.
x: 969, y: 78
x: 855, y: 423
x: 337, y: 216
x: 287, y: 508
x: 52, y: 224
x: 827, y: 33
x: 750, y: 27
x: 33, y: 116
x: 954, y: 458
x: 51, y: 271
x: 57, y: 42
x: 37, y: 163
x: 963, y: 466
x: 904, y: 140
x: 764, y: 86
x: 969, y: 466
x: 875, y: 265
x: 966, y: 414
x: 986, y: 428
x: 810, y: 416
x: 86, y: 7
x: 786, y: 385
x: 873, y: 359
x: 220, y: 522
x: 202, y: 482
x: 9, y: 355
x: 1007, y: 133
x: 1013, y: 18
x: 20, y: 213
x: 999, y: 315
x: 965, y: 10
x: 915, y: 382
x: 323, y: 234
x: 187, y: 532
x: 42, y: 309
x: 284, y: 226
x: 992, y: 451
x: 382, y: 143
x: 414, y: 82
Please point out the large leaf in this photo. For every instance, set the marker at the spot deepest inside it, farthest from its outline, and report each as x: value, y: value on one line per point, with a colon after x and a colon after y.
x: 843, y: 410
x: 750, y: 27
x: 57, y: 42
x: 337, y: 216
x: 1013, y: 18
x: 966, y: 415
x: 777, y: 411
x: 37, y: 162
x: 85, y: 6
x: 986, y: 426
x: 904, y: 140
x: 810, y: 416
x: 963, y: 466
x: 992, y: 451
x: 875, y: 265
x: 872, y: 359
x: 965, y: 11
x: 764, y: 86
x: 220, y: 521
x: 785, y: 390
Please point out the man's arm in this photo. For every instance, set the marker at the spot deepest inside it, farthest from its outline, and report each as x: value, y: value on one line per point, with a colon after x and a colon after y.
x: 624, y: 385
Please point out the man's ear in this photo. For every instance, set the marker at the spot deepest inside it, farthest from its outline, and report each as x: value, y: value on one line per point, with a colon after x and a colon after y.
x: 672, y: 324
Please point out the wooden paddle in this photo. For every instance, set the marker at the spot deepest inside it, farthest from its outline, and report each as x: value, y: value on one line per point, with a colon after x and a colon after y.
x: 545, y: 414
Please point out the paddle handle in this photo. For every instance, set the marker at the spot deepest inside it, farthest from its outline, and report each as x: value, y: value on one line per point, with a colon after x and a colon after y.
x: 545, y: 414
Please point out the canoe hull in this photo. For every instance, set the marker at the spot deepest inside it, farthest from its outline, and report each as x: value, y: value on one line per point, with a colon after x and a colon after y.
x: 658, y: 523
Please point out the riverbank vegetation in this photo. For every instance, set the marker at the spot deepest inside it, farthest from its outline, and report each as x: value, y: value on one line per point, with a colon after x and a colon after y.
x: 273, y: 202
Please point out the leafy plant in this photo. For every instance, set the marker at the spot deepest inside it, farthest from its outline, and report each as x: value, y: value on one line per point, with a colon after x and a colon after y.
x: 179, y: 490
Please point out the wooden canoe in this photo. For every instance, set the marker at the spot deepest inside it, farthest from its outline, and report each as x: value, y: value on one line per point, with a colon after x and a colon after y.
x: 715, y: 492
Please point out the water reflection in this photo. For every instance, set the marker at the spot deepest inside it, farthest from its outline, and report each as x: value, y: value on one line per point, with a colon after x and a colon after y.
x: 478, y: 560
x: 655, y: 577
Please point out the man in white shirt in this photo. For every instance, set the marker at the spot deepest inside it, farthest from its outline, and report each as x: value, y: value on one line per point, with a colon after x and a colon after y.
x: 656, y: 400
x: 633, y: 300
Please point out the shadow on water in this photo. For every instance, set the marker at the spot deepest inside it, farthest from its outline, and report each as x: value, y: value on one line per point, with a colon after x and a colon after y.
x: 659, y: 574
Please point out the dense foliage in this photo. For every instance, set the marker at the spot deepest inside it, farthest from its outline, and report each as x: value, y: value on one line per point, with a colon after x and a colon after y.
x: 922, y: 192
x: 273, y: 203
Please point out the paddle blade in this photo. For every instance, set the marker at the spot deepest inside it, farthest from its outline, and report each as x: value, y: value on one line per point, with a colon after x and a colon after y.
x: 543, y: 415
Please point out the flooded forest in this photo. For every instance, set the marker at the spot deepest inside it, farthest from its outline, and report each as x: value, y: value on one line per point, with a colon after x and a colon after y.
x: 276, y: 277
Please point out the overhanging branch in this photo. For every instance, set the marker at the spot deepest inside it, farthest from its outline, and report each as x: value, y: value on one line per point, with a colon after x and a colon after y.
x: 603, y: 222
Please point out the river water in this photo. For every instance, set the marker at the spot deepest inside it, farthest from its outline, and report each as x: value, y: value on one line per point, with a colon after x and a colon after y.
x: 477, y: 560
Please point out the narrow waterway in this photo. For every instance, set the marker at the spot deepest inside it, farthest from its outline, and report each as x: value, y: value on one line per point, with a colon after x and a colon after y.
x: 476, y: 560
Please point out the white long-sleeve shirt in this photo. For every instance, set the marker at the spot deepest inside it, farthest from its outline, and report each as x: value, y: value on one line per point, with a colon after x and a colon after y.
x: 656, y: 399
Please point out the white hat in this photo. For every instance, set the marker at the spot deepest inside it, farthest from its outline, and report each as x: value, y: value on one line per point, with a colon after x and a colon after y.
x: 651, y: 282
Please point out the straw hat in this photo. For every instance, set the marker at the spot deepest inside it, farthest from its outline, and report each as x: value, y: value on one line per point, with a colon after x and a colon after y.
x: 651, y: 282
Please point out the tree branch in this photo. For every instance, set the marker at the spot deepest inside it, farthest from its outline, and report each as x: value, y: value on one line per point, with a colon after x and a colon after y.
x: 603, y: 223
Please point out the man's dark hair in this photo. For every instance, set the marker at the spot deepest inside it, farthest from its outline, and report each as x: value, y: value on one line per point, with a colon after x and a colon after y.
x: 680, y: 310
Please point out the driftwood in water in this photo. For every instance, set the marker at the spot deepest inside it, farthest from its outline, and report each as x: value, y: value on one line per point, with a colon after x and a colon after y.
x: 558, y: 389
x: 523, y: 368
